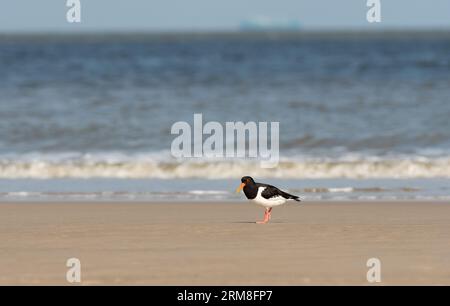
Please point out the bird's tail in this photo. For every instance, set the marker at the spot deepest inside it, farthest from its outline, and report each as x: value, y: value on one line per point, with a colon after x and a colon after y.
x: 292, y: 197
x: 295, y: 198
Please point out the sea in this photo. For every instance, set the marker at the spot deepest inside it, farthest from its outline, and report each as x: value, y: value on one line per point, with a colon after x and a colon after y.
x: 362, y: 115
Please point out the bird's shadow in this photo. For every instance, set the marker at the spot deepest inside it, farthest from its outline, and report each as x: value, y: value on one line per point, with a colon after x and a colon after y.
x: 254, y: 222
x: 243, y: 222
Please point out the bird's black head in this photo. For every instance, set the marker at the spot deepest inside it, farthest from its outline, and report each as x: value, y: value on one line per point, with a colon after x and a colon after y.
x: 247, y: 180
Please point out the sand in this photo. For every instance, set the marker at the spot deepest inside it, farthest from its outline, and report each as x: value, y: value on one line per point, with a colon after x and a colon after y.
x: 218, y: 243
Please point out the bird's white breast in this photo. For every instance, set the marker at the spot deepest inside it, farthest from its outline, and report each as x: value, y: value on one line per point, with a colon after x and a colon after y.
x: 275, y: 201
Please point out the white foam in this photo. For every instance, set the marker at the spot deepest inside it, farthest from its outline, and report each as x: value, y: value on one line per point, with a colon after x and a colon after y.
x: 208, y: 192
x: 19, y: 194
x: 345, y: 189
x: 159, y: 165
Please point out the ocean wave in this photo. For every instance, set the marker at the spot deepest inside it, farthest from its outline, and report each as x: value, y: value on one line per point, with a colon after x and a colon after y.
x: 41, y: 166
x: 208, y: 192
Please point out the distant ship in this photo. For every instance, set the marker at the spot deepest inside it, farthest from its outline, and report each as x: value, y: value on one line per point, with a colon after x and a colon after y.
x: 264, y: 24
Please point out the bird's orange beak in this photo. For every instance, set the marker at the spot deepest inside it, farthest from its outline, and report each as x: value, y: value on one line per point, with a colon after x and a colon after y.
x: 240, y: 187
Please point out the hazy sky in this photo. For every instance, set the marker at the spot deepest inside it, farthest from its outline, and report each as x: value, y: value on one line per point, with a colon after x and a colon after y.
x: 154, y: 15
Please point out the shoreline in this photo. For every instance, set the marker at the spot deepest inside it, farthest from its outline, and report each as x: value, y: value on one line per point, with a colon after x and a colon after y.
x: 195, y: 190
x: 221, y: 201
x: 180, y: 243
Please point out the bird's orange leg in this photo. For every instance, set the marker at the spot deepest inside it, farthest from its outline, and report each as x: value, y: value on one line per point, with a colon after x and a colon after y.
x: 269, y: 212
x: 266, y: 217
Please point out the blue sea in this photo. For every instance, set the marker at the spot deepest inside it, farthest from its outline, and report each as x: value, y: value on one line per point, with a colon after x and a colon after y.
x: 89, y: 116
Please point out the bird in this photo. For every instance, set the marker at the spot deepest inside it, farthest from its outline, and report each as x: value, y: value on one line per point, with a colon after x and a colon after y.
x: 265, y: 195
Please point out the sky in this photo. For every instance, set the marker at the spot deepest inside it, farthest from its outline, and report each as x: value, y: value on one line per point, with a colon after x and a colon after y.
x: 215, y: 15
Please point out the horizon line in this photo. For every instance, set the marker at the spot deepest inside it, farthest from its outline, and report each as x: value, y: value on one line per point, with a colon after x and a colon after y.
x: 379, y: 30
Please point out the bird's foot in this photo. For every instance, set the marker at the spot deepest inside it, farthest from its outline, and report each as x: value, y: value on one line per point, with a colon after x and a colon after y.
x: 266, y: 218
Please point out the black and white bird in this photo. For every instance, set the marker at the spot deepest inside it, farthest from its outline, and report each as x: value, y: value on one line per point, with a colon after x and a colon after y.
x: 265, y: 195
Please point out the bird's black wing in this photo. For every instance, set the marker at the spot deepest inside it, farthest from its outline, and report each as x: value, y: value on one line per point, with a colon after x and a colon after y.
x: 272, y: 191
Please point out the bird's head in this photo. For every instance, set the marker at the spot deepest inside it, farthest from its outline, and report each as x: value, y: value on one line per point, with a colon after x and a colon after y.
x: 246, y: 180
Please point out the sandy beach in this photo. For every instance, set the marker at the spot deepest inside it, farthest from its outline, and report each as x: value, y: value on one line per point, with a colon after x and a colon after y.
x: 218, y: 243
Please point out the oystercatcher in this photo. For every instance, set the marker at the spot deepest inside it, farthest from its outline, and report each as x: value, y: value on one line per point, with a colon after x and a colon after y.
x: 265, y: 195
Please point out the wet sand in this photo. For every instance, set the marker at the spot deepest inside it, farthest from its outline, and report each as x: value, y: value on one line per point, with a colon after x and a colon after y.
x: 218, y: 243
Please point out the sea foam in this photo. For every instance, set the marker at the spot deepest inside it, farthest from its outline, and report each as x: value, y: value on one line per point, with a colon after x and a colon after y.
x: 162, y: 166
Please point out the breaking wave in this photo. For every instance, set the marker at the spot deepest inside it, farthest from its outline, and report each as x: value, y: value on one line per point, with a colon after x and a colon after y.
x: 159, y: 165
